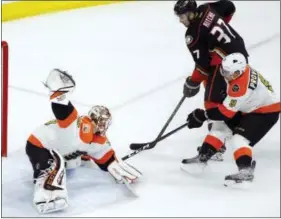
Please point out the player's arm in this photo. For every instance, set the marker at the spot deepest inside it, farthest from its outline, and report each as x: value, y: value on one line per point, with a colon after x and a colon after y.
x: 61, y: 84
x: 99, y: 151
x: 199, y: 50
x: 224, y: 112
x: 237, y: 94
x: 107, y: 160
x: 224, y: 8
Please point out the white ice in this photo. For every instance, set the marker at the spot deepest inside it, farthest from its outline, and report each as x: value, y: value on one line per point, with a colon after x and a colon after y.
x: 133, y: 58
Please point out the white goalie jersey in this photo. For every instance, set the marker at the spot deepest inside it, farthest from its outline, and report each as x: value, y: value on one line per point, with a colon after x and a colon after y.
x: 73, y: 136
x: 67, y: 140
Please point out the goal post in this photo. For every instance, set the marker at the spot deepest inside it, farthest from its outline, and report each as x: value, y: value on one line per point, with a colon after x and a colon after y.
x: 4, y: 97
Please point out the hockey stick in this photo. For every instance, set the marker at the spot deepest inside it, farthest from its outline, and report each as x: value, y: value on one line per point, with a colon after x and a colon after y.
x: 136, y: 146
x: 144, y: 146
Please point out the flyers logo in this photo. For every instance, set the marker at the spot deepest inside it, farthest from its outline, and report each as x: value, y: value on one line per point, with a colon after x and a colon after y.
x: 232, y: 103
x: 86, y: 128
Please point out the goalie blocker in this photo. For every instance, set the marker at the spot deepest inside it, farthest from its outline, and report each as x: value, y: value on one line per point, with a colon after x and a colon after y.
x: 61, y: 143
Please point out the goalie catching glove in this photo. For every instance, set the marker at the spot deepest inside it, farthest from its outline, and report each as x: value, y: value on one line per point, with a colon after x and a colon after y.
x: 60, y: 85
x: 123, y: 171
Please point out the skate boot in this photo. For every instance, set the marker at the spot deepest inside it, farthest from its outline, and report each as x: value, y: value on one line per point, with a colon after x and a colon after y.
x: 218, y: 156
x: 195, y: 165
x: 245, y: 174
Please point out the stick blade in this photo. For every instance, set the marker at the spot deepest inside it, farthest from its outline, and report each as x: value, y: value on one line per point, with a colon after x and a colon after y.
x: 137, y: 146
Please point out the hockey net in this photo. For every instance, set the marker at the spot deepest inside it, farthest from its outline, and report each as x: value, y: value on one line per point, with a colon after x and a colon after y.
x: 4, y: 97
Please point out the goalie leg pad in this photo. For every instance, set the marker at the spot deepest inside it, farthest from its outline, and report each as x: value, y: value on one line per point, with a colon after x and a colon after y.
x: 50, y: 192
x: 52, y: 206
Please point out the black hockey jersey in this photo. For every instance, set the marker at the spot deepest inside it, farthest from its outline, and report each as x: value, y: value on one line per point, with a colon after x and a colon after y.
x: 209, y: 33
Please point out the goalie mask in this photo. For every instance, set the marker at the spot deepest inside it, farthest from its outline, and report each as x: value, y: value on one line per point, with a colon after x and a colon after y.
x: 101, y: 118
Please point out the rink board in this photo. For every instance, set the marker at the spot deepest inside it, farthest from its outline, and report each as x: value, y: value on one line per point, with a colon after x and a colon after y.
x: 23, y: 9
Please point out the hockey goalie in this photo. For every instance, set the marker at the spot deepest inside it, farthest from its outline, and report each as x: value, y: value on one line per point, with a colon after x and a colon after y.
x: 63, y: 143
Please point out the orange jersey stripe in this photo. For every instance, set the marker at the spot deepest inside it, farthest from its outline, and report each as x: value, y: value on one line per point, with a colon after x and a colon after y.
x: 210, y: 105
x: 226, y: 112
x: 105, y: 158
x: 66, y: 122
x: 57, y: 94
x: 243, y: 151
x: 215, y: 142
x: 35, y: 141
x: 99, y: 139
x: 272, y: 108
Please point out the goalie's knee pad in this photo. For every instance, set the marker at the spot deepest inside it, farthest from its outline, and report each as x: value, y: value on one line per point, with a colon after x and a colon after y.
x: 50, y: 192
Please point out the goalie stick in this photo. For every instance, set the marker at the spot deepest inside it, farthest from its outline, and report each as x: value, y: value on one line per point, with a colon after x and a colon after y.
x: 153, y: 143
x: 144, y: 146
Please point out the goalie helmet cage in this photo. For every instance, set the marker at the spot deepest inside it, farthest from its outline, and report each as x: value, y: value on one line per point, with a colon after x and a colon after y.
x: 4, y: 98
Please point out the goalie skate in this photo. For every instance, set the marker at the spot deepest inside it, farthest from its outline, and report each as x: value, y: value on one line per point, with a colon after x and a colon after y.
x: 244, y: 176
x: 51, y: 206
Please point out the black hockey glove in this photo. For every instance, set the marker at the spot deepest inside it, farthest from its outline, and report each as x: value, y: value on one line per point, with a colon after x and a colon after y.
x: 190, y: 88
x: 196, y: 118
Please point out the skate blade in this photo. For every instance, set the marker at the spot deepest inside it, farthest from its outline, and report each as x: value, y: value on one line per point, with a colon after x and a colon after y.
x: 217, y: 159
x: 52, y: 206
x: 196, y: 168
x: 237, y: 185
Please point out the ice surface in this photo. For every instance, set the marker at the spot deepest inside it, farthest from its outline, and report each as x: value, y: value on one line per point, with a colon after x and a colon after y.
x: 133, y: 58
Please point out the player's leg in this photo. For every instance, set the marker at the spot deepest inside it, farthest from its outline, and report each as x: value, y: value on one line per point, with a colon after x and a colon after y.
x: 213, y: 142
x: 215, y: 92
x: 251, y: 129
x: 219, y: 155
x: 50, y: 193
x: 243, y: 158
